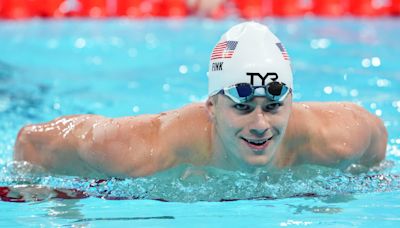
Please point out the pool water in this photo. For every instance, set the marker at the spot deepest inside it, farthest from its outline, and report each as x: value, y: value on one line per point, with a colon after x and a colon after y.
x: 121, y: 67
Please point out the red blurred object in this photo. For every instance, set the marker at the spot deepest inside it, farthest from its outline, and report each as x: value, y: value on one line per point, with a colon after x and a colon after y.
x: 368, y: 8
x: 130, y: 8
x: 17, y: 9
x: 5, y: 196
x: 138, y: 8
x: 94, y: 8
x: 395, y: 7
x: 218, y: 13
x: 174, y: 8
x: 287, y: 8
x: 50, y: 8
x: 331, y: 8
x: 250, y: 8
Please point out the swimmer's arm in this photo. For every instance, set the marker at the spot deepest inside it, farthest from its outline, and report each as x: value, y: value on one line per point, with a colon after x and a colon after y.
x: 94, y: 146
x: 91, y: 145
x: 55, y: 146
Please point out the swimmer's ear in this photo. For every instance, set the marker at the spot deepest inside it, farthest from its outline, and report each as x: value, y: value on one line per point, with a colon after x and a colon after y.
x: 210, y: 104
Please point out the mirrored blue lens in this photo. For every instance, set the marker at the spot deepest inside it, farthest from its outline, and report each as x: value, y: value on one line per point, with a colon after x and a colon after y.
x: 244, y: 90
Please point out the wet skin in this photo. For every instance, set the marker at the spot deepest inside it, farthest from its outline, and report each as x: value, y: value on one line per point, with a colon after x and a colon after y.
x: 259, y: 134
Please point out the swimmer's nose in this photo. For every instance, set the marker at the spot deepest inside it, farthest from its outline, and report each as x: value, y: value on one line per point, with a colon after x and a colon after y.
x: 260, y: 125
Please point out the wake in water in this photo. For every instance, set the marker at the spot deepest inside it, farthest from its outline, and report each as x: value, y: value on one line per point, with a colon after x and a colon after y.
x: 23, y: 182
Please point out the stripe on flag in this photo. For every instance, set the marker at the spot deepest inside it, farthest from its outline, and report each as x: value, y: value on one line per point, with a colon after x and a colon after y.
x: 224, y: 50
x: 283, y: 51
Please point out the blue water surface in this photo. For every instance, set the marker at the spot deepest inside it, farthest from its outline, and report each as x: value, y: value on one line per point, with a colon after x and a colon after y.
x: 122, y: 67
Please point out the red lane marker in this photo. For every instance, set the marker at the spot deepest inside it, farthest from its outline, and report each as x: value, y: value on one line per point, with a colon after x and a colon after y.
x: 329, y: 8
x: 250, y: 9
x: 94, y: 8
x: 287, y: 8
x: 17, y: 9
x: 50, y: 8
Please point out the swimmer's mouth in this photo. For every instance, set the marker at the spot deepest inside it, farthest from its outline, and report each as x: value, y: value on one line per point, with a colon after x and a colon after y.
x: 257, y: 144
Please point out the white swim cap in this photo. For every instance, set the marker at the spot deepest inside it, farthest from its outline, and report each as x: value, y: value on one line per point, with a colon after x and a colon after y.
x: 248, y: 53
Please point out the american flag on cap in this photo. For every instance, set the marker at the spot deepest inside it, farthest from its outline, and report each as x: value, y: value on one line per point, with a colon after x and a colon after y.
x: 283, y: 50
x: 224, y: 50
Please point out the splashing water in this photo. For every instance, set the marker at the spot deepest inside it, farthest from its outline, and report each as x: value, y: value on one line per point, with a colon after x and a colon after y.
x: 209, y: 184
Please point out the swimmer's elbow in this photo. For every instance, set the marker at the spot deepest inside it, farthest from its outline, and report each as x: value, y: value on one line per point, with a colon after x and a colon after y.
x: 376, y: 151
x: 34, y: 146
x: 24, y: 149
x: 381, y: 138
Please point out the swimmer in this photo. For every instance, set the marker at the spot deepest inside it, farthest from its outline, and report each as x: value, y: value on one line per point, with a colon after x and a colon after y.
x: 248, y: 123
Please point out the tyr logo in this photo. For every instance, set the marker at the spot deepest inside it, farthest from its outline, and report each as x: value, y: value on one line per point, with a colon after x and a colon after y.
x: 272, y: 75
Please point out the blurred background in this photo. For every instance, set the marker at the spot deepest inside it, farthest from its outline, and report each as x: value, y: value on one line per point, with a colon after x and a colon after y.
x: 216, y: 9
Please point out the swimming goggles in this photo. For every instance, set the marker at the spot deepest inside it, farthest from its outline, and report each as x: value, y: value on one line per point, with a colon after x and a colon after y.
x: 243, y: 92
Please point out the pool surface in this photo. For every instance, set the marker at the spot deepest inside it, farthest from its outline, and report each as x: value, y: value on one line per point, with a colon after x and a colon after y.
x: 50, y: 68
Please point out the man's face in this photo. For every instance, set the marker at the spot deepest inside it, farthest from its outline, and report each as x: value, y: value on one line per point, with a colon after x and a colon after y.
x: 250, y: 132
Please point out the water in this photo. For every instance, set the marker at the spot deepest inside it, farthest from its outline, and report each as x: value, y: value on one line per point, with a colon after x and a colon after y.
x: 121, y: 67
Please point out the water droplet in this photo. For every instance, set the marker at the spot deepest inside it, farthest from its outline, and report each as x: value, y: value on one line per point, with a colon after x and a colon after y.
x: 135, y: 109
x: 354, y: 93
x: 183, y: 69
x: 376, y: 61
x: 306, y: 106
x: 166, y: 87
x: 80, y: 43
x: 328, y: 89
x: 56, y: 106
x: 382, y: 83
x: 366, y: 62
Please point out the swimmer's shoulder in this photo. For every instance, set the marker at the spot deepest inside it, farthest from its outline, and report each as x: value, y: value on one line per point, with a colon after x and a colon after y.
x: 333, y: 133
x: 188, y: 132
